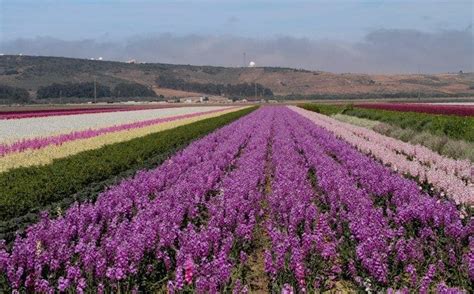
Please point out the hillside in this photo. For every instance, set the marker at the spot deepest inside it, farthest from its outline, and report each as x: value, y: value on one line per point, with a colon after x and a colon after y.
x: 30, y: 72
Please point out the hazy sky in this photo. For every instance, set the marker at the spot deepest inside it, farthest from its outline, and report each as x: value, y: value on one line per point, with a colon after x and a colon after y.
x: 349, y: 26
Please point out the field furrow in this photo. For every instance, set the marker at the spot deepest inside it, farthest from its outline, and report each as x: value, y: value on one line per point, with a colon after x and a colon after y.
x: 280, y: 200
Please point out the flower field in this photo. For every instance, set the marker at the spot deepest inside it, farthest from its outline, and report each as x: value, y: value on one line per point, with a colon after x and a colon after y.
x: 43, y: 150
x: 275, y: 199
x: 54, y: 112
x: 42, y: 112
x: 14, y: 130
x: 451, y: 177
x: 460, y: 110
x: 455, y: 149
x: 68, y: 169
x: 448, y: 135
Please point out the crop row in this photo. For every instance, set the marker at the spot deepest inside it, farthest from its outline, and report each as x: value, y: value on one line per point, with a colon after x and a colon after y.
x: 451, y: 177
x: 175, y: 218
x: 36, y: 113
x: 54, y: 112
x: 41, y: 142
x: 462, y: 169
x: 460, y: 110
x: 454, y: 127
x: 389, y: 232
x: 456, y: 149
x: 14, y: 130
x: 303, y: 247
x: 219, y: 236
x: 331, y: 217
x: 47, y: 154
x: 23, y: 189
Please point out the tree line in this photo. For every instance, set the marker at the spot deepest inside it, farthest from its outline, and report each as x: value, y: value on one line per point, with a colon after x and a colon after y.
x: 86, y: 90
x: 231, y: 90
x: 16, y: 94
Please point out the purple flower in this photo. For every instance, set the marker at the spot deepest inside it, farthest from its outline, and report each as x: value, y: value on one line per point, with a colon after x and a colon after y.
x: 322, y: 205
x: 63, y: 284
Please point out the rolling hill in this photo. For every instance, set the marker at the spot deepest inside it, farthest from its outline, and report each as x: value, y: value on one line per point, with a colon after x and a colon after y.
x: 32, y: 72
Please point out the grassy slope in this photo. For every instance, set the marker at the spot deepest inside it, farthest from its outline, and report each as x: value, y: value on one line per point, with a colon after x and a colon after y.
x: 38, y: 71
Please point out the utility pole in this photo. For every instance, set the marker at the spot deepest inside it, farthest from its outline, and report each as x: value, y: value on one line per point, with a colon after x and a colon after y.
x: 255, y: 89
x: 95, y: 90
x: 245, y: 59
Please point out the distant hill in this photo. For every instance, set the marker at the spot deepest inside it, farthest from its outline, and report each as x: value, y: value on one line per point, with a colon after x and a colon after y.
x: 32, y: 72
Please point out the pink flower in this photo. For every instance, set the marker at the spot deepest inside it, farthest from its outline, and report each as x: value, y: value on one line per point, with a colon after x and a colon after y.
x: 287, y: 289
x: 188, y: 270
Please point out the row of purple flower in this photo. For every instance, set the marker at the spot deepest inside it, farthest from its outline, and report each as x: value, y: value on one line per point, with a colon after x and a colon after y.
x: 141, y: 229
x: 330, y: 214
x: 386, y: 232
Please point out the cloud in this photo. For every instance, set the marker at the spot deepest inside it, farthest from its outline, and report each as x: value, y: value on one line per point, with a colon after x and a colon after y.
x: 381, y: 51
x: 233, y: 19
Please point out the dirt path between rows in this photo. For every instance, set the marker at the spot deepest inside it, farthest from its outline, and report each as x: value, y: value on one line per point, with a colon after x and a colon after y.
x: 258, y: 279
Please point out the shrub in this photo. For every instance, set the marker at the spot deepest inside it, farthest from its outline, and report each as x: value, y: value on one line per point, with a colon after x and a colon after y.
x: 9, y: 72
x: 81, y: 90
x: 326, y: 109
x: 458, y: 149
x: 133, y: 90
x: 240, y: 90
x: 384, y: 129
x: 361, y: 122
x: 13, y: 94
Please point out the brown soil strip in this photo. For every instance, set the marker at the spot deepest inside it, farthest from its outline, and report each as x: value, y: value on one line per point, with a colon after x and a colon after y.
x: 258, y: 280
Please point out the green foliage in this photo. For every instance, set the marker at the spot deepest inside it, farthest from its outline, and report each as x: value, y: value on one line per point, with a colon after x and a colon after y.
x: 13, y: 94
x: 458, y: 149
x: 23, y: 189
x: 361, y: 122
x: 453, y: 127
x: 133, y: 90
x: 241, y: 90
x: 420, y: 131
x: 85, y: 90
x: 327, y: 109
x: 10, y: 72
x: 443, y: 145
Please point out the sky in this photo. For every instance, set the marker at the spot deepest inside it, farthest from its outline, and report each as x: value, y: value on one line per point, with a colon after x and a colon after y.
x: 336, y: 35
